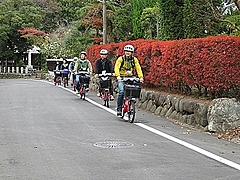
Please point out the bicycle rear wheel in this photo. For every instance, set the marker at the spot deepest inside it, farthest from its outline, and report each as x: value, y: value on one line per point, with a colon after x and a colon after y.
x: 83, y: 93
x: 107, y: 98
x: 131, y: 112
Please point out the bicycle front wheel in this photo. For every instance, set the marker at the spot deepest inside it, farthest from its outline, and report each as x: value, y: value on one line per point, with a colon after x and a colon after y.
x: 131, y: 112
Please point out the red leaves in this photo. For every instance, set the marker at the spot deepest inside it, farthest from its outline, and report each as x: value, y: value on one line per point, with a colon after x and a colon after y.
x: 30, y: 32
x: 211, y: 62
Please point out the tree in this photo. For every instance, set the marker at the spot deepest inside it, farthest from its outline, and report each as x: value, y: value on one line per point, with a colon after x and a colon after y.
x: 52, y: 14
x: 138, y: 7
x: 150, y: 22
x: 17, y: 15
x: 121, y: 23
x: 69, y: 10
x: 198, y: 19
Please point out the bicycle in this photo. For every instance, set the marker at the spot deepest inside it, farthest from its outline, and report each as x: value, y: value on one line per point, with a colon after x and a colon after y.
x: 58, y: 77
x: 132, y: 91
x: 105, y: 85
x: 84, y: 79
x: 65, y: 76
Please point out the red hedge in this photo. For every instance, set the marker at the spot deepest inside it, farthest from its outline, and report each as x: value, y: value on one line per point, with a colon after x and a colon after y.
x: 211, y: 62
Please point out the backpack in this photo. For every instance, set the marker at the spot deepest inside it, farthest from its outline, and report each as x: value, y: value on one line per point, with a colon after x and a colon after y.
x: 71, y: 67
x: 132, y: 62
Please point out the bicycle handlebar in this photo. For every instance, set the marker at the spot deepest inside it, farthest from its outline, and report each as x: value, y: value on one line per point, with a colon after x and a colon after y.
x: 131, y: 79
x: 82, y: 72
x: 105, y: 75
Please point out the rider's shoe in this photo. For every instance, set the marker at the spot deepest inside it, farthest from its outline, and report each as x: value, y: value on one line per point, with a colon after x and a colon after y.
x: 98, y: 94
x: 111, y: 98
x: 87, y: 89
x: 77, y: 92
x: 119, y: 112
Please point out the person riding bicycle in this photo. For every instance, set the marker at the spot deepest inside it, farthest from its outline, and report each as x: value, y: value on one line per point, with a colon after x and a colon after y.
x: 104, y: 64
x: 124, y: 67
x: 64, y: 68
x: 82, y: 64
x: 57, y: 69
x: 71, y: 69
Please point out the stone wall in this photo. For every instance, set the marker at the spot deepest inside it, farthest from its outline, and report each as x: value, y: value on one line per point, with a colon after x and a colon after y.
x: 218, y: 115
x: 182, y: 109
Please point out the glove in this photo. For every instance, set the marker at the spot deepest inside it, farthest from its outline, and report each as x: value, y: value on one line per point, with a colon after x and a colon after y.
x: 96, y: 75
x: 119, y: 79
x: 141, y: 80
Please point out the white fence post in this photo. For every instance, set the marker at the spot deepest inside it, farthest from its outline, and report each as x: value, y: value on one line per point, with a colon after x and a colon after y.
x: 13, y: 70
x: 8, y: 69
x: 17, y: 69
x: 26, y: 70
x: 4, y: 69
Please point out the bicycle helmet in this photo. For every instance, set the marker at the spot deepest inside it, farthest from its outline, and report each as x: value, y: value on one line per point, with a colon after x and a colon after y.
x: 129, y: 48
x: 83, y: 52
x: 103, y: 52
x: 75, y: 58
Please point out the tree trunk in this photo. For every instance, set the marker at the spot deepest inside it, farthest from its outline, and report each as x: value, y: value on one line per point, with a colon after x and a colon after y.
x: 237, y: 4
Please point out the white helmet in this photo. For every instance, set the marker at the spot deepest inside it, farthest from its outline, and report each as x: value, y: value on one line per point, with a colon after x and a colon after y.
x: 129, y: 48
x: 104, y: 52
x: 83, y: 52
x: 75, y: 58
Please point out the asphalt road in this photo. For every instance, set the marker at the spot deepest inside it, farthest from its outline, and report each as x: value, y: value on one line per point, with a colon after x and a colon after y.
x: 48, y: 133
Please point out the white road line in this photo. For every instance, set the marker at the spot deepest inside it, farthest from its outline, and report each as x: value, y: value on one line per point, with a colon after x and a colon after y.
x: 171, y: 138
x: 190, y: 146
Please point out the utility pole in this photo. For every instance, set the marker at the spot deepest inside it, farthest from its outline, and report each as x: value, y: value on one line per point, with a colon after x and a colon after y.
x: 104, y: 22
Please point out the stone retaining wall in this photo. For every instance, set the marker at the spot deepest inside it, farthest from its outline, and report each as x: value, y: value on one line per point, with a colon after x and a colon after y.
x: 178, y: 108
x: 182, y: 109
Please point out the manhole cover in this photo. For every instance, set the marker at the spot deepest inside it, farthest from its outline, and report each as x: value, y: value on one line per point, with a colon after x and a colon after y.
x: 113, y: 144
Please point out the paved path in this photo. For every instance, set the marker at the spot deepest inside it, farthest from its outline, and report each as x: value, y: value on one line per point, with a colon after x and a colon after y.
x: 47, y: 132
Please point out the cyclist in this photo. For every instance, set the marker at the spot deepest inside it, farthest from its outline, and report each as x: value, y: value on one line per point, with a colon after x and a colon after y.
x: 57, y: 69
x: 64, y: 66
x: 124, y: 67
x: 71, y: 69
x: 82, y: 64
x: 104, y: 64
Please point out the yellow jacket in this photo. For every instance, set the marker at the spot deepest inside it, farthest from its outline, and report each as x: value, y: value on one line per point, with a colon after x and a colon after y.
x: 127, y: 69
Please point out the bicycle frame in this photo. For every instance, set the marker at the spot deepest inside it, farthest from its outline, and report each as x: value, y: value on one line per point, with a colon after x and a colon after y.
x: 82, y: 91
x: 65, y: 78
x: 129, y: 108
x: 105, y: 91
x: 129, y: 101
x: 57, y: 77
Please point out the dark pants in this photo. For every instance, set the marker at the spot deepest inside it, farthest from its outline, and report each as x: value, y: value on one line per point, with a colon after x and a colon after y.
x: 65, y: 76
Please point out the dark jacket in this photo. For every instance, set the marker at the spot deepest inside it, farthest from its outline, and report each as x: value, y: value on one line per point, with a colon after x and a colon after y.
x: 101, y: 65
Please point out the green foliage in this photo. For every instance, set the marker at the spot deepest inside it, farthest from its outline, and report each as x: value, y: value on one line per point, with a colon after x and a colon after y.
x: 15, y: 15
x: 69, y: 9
x: 171, y: 26
x: 198, y: 19
x: 122, y: 24
x: 234, y: 28
x: 150, y: 21
x: 52, y: 14
x: 76, y: 41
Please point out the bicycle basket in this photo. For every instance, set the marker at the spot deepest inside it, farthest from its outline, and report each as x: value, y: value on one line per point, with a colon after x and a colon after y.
x: 105, y: 83
x: 84, y: 79
x: 132, y: 91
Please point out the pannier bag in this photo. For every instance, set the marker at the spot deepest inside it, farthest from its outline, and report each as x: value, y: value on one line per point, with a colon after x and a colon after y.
x: 105, y: 83
x: 132, y: 91
x: 84, y: 79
